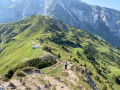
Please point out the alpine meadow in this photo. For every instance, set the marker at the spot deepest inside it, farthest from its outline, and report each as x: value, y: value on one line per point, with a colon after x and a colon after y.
x: 48, y: 52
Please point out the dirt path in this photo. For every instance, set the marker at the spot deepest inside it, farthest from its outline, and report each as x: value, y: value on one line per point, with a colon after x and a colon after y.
x: 59, y: 85
x: 72, y: 76
x: 37, y: 81
x: 54, y: 67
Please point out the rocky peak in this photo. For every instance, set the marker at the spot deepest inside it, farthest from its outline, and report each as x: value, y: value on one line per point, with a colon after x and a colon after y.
x: 100, y: 21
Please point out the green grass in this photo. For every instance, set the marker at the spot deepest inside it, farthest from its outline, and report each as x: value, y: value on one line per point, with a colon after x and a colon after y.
x: 114, y: 70
x: 17, y: 39
x: 16, y: 54
x: 102, y: 49
x: 19, y: 74
x: 56, y: 70
x: 47, y: 69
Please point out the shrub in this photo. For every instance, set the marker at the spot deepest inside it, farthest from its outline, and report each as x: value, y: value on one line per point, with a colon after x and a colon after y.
x: 90, y: 72
x: 90, y: 52
x: 81, y: 65
x: 58, y: 38
x: 117, y: 79
x: 8, y: 40
x: 104, y: 87
x: 42, y: 62
x: 85, y: 65
x: 65, y: 48
x: 76, y: 60
x: 97, y: 78
x: 78, y: 44
x: 22, y: 28
x: 20, y: 74
x: 98, y: 70
x: 78, y: 53
x: 46, y: 48
x: 9, y: 74
x: 77, y: 67
x: 70, y: 56
x: 59, y: 56
x: 90, y: 57
x: 104, y: 68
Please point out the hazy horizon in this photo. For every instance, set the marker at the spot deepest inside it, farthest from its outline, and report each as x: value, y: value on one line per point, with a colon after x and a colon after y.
x: 114, y: 4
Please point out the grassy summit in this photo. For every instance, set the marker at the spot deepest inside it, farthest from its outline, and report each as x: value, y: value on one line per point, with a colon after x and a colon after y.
x: 65, y: 42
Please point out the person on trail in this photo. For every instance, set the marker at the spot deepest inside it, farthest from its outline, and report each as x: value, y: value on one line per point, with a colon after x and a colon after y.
x: 66, y: 64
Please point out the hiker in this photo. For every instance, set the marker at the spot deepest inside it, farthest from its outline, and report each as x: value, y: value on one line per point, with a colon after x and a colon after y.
x: 66, y: 64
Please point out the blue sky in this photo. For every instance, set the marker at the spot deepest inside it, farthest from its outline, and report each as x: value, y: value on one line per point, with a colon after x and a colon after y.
x: 115, y: 4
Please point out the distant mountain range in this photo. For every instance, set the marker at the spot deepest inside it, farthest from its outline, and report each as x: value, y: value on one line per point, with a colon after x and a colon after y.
x: 100, y: 21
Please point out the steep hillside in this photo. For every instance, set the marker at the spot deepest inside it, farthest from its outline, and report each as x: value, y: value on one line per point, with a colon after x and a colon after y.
x: 100, y: 21
x: 36, y: 41
x: 51, y: 78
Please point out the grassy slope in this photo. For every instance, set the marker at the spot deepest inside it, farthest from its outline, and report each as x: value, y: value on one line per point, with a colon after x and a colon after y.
x: 37, y: 29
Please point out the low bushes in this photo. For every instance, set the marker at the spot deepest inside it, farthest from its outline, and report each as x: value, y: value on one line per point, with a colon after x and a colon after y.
x: 59, y: 56
x: 117, y: 79
x: 76, y: 60
x: 46, y: 48
x: 104, y: 87
x: 20, y: 74
x: 40, y: 63
x: 90, y: 52
x: 90, y: 72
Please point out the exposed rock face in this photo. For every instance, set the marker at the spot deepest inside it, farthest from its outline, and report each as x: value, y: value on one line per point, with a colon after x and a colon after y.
x: 103, y: 22
x: 48, y: 58
x: 89, y: 79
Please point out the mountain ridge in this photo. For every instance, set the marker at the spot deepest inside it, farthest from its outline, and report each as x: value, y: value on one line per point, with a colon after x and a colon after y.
x: 100, y: 21
x: 34, y: 41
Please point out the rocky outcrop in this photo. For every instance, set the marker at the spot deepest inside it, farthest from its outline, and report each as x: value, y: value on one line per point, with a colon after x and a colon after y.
x: 87, y: 78
x: 47, y: 57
